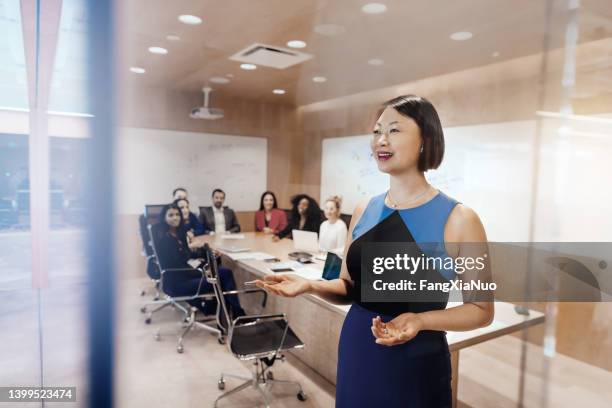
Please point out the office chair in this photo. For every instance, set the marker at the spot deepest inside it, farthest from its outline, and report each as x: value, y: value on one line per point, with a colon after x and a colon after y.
x: 150, y: 264
x: 346, y: 218
x: 189, y: 316
x: 152, y: 212
x: 262, y: 338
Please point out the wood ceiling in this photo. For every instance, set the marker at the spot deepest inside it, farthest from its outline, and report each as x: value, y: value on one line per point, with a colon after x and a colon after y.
x: 412, y: 38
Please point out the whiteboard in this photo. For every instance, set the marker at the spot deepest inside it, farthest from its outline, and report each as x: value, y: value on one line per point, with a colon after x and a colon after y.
x: 153, y: 162
x: 486, y: 167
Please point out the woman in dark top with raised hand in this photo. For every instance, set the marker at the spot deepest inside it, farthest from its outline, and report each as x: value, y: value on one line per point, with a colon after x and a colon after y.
x: 174, y: 252
x: 305, y: 216
x: 395, y: 354
x: 192, y: 224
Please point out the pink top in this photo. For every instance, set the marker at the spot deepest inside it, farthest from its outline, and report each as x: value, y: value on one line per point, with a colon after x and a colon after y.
x: 278, y: 220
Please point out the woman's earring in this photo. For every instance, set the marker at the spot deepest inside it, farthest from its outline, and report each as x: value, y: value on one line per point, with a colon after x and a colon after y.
x: 421, y: 148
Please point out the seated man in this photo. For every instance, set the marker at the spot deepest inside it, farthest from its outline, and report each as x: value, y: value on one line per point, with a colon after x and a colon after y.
x: 179, y: 193
x: 219, y: 219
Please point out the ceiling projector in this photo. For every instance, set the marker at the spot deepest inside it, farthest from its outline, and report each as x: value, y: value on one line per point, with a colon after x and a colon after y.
x: 204, y: 112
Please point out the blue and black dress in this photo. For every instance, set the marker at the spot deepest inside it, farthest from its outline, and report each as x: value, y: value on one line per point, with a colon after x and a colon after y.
x: 418, y: 372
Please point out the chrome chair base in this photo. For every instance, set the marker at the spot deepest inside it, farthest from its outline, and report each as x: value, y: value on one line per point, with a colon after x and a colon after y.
x: 161, y: 304
x: 261, y: 379
x: 191, y: 323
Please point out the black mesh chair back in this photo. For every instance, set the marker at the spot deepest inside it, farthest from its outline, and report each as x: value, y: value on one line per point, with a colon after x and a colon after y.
x: 144, y: 235
x: 212, y: 276
x: 152, y: 212
x: 154, y: 236
x: 151, y: 267
x: 346, y: 218
x: 201, y: 214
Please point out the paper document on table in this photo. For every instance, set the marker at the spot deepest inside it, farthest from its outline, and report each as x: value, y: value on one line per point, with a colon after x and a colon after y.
x: 309, y: 273
x: 258, y: 256
x: 233, y: 249
x: 286, y: 265
x: 232, y: 236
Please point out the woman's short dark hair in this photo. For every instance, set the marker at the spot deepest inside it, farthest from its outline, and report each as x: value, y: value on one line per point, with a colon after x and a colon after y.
x: 261, y: 206
x: 426, y: 117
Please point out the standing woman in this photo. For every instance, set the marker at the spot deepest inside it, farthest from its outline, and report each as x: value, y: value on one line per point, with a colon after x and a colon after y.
x: 270, y: 219
x: 305, y: 216
x: 332, y: 234
x: 396, y: 354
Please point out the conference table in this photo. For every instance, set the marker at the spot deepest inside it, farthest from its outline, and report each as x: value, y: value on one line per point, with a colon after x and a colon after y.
x: 318, y: 322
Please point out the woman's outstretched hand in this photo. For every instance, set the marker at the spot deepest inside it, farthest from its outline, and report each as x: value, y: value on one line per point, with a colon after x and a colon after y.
x: 397, y: 331
x: 287, y: 285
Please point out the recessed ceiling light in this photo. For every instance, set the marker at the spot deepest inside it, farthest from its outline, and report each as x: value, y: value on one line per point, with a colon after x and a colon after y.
x: 219, y: 80
x: 376, y: 62
x: 296, y: 44
x: 495, y: 54
x: 189, y: 19
x: 137, y: 70
x: 319, y: 79
x: 329, y: 29
x: 158, y: 50
x: 279, y: 91
x: 461, y: 36
x: 248, y: 67
x: 229, y: 75
x: 173, y: 37
x: 374, y: 8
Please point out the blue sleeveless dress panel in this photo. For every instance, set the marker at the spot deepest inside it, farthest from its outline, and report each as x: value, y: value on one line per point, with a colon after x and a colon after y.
x: 416, y: 374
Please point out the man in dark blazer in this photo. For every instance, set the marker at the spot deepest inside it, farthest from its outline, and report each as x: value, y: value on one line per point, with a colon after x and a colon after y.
x: 218, y: 218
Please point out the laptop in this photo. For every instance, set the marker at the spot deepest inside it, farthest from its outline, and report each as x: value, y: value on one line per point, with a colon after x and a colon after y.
x: 306, y: 241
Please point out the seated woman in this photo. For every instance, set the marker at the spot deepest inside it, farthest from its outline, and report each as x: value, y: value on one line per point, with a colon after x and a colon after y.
x: 192, y: 224
x: 305, y: 216
x: 333, y: 231
x: 174, y: 251
x: 269, y: 219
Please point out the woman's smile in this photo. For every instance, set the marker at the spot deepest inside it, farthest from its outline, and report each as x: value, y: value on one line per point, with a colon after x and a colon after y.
x: 383, y: 155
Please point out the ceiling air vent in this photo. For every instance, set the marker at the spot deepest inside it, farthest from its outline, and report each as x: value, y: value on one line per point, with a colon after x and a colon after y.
x: 270, y: 56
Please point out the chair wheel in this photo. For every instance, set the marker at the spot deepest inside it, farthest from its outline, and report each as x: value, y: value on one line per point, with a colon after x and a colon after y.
x: 270, y: 375
x: 143, y: 309
x: 156, y: 298
x: 142, y: 293
x: 148, y: 320
x: 180, y: 349
x: 302, y: 396
x: 221, y: 384
x: 221, y: 340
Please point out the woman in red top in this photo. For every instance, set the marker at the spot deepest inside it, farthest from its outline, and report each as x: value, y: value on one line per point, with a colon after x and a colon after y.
x: 269, y: 219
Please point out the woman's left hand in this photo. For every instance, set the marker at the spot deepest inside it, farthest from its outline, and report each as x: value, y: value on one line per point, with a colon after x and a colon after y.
x: 397, y: 331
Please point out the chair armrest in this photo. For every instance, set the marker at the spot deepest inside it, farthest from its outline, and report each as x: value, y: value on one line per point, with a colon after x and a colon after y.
x: 180, y: 270
x: 259, y: 318
x: 247, y: 291
x: 189, y: 269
